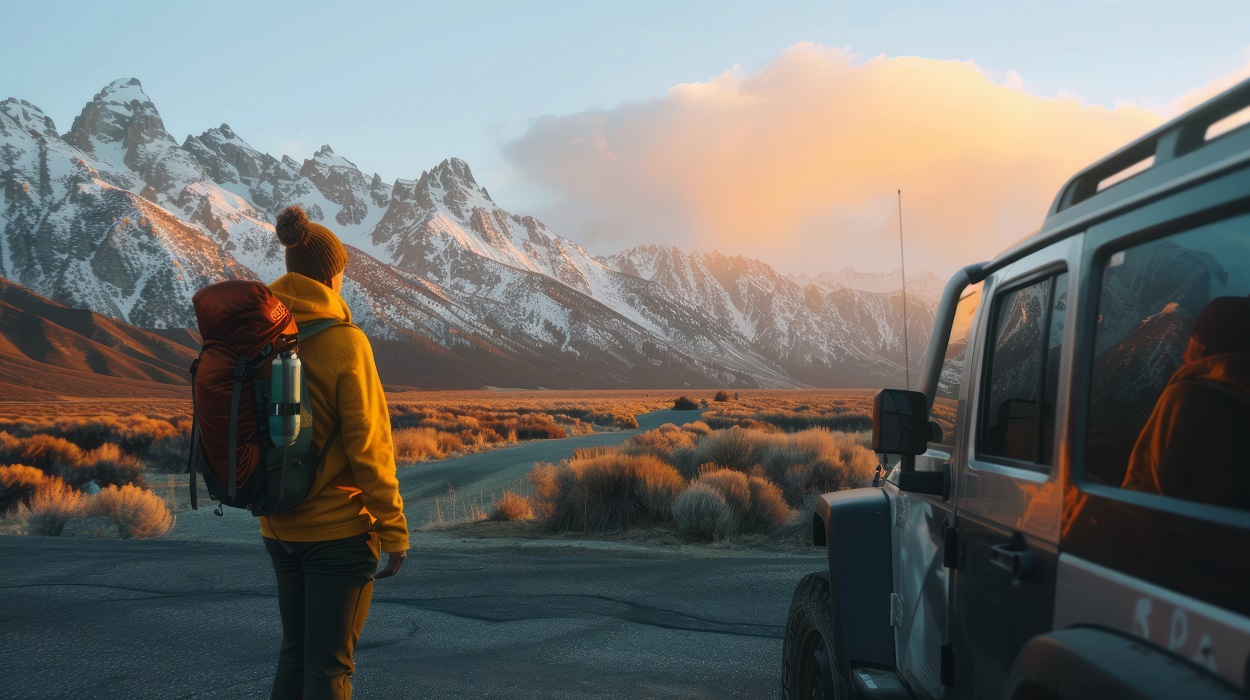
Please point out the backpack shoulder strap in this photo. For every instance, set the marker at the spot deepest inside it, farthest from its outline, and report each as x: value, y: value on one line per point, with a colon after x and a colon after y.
x: 311, y: 328
x: 193, y: 456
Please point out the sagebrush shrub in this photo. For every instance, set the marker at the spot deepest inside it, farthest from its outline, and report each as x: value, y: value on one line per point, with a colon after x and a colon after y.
x: 108, y: 463
x: 46, y: 452
x: 544, y: 477
x: 768, y: 509
x: 138, y: 513
x: 132, y: 433
x: 736, y: 448
x: 697, y: 427
x: 512, y: 506
x: 702, y: 514
x: 684, y: 403
x: 818, y: 461
x: 416, y: 445
x: 50, y: 508
x: 732, y: 486
x: 660, y: 443
x: 18, y: 483
x: 612, y: 492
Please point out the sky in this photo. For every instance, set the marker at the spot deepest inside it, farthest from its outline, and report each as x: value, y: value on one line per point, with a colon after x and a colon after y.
x: 779, y: 130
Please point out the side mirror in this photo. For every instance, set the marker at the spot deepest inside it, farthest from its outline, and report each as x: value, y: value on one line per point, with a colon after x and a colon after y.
x: 900, y: 422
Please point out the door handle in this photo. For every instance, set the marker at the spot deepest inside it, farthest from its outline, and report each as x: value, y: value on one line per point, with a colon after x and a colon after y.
x: 1021, y: 564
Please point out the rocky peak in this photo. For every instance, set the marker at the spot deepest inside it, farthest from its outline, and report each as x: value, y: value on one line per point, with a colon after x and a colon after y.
x: 120, y: 113
x: 454, y: 169
x: 28, y: 116
x: 326, y: 156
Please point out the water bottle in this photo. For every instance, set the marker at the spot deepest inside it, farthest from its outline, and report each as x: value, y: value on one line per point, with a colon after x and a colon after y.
x: 284, y: 397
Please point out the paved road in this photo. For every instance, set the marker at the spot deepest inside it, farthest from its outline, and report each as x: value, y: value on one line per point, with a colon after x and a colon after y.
x: 471, y: 475
x: 166, y: 619
x: 187, y: 617
x: 494, y: 470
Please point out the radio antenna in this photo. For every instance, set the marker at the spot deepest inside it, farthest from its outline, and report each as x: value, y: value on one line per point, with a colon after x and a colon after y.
x: 903, y: 271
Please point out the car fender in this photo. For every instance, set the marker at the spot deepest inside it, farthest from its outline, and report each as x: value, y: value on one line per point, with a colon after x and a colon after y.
x: 854, y: 526
x: 1091, y: 662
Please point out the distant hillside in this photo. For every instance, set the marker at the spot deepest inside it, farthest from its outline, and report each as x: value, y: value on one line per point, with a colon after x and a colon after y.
x: 49, y: 351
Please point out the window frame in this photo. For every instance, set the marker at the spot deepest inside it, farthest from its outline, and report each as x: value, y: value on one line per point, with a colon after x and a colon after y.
x: 1049, y: 272
x: 1114, y: 236
x: 962, y: 405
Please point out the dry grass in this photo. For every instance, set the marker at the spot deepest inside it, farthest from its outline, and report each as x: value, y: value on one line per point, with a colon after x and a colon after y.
x: 50, y: 508
x: 18, y: 484
x: 139, y: 513
x: 512, y: 506
x: 791, y: 411
x: 456, y: 508
x: 63, y: 459
x: 426, y: 425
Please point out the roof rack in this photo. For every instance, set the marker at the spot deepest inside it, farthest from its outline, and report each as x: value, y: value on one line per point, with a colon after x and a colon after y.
x: 1185, y: 134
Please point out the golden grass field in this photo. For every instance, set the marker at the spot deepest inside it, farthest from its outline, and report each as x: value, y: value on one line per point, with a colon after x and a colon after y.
x: 142, y: 443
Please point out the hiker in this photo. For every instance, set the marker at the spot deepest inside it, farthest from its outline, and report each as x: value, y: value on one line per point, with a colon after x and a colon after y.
x: 325, y: 551
x: 1196, y: 441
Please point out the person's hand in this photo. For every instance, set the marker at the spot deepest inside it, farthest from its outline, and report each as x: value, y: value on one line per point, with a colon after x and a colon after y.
x: 394, y: 560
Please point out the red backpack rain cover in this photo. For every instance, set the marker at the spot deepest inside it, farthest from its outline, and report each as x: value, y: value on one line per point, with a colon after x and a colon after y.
x: 238, y: 319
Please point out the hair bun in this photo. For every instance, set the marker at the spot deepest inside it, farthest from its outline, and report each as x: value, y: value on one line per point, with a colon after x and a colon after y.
x: 292, y: 226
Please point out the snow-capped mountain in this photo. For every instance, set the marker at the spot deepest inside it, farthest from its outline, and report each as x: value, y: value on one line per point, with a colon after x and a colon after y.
x: 814, y: 332
x: 923, y: 284
x: 115, y: 216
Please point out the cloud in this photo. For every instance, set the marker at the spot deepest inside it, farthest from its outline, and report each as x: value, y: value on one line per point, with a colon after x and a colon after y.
x: 798, y: 163
x: 1211, y: 88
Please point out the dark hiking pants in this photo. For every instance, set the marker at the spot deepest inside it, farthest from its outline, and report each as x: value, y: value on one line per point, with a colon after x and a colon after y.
x: 324, y: 590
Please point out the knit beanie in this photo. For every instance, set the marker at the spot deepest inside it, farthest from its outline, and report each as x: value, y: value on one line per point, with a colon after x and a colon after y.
x: 1224, y: 325
x: 312, y: 250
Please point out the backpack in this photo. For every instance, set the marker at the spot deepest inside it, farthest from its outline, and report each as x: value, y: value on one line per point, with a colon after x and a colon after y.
x: 252, y: 422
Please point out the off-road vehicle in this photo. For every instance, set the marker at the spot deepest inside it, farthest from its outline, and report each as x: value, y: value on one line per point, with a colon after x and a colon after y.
x: 1069, y: 513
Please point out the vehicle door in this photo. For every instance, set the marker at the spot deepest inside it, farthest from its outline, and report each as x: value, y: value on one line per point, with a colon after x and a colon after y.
x: 921, y: 580
x: 1008, y: 494
x: 1155, y: 542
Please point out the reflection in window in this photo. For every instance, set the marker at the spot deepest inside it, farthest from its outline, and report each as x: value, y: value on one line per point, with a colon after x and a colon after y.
x: 946, y: 405
x: 1170, y: 387
x: 1018, y: 413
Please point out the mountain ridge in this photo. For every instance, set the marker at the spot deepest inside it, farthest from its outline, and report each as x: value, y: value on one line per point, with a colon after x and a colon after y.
x: 116, y: 216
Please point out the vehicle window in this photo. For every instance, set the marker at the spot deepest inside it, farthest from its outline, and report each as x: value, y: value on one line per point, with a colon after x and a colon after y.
x: 1170, y: 384
x: 1018, y: 402
x: 946, y: 405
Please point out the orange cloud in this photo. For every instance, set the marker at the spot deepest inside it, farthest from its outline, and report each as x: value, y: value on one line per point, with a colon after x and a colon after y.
x: 798, y: 164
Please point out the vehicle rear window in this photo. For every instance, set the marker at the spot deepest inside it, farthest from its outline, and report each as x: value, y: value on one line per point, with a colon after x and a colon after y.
x: 1018, y: 403
x: 1169, y: 408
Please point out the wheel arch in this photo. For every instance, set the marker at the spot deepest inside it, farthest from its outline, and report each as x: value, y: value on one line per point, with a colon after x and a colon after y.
x: 1092, y: 662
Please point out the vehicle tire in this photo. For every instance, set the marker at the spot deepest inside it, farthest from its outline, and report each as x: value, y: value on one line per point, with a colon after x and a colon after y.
x: 807, y: 670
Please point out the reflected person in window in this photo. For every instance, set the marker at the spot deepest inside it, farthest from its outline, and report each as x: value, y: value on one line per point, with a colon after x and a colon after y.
x: 1196, y: 444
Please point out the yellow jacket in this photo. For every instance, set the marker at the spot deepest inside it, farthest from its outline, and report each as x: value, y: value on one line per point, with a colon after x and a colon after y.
x: 355, y: 488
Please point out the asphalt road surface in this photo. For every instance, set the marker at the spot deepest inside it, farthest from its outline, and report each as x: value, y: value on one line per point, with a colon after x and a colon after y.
x: 186, y: 617
x: 168, y: 619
